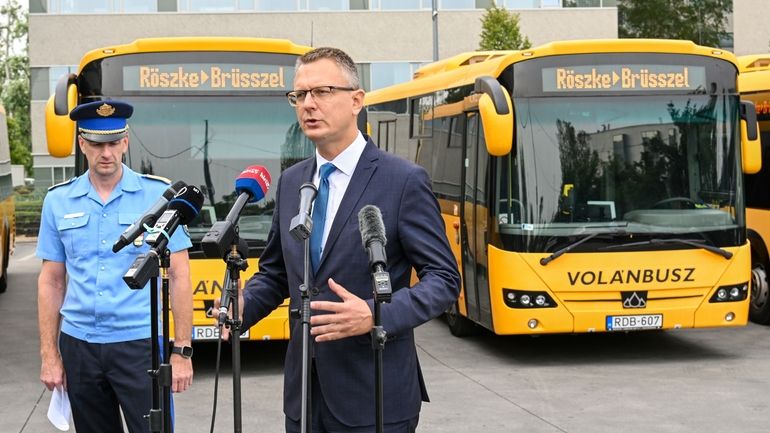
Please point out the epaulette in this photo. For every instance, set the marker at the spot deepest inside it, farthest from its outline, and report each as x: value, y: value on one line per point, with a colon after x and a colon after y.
x: 51, y: 188
x: 165, y: 180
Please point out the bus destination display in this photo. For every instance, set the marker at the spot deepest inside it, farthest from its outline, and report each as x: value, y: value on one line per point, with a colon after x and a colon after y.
x: 623, y: 78
x: 207, y: 77
x: 763, y: 109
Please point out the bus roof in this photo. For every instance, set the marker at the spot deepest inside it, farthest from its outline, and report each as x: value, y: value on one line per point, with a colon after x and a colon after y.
x: 754, y: 62
x: 463, y: 69
x: 155, y: 45
x: 754, y: 73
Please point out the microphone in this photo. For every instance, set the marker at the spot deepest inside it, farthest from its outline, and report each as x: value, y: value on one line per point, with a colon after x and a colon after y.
x: 251, y: 186
x: 302, y: 224
x: 137, y: 228
x: 182, y: 209
x: 373, y: 238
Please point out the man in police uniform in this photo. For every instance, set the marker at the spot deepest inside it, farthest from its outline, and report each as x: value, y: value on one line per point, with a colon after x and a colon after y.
x: 102, y: 326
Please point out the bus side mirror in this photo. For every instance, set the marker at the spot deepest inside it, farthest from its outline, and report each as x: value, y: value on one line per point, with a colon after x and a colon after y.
x: 751, y: 150
x: 59, y: 129
x: 496, y: 113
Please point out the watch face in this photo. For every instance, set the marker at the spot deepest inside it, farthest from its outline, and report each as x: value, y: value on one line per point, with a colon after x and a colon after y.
x: 185, y: 351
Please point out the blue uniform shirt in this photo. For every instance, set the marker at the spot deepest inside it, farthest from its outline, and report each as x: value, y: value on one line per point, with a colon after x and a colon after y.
x: 79, y: 231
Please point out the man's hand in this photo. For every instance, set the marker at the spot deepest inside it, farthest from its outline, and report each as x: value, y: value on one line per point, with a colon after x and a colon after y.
x: 182, y: 373
x: 348, y: 318
x: 52, y: 372
x: 215, y: 314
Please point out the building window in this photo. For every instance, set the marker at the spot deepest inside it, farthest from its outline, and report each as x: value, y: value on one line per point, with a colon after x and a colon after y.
x: 521, y: 4
x: 98, y: 6
x: 55, y: 73
x: 328, y: 5
x: 457, y: 4
x: 277, y: 5
x: 43, y: 80
x: 38, y: 84
x: 388, y: 73
x: 207, y: 5
x: 80, y: 6
x: 140, y: 6
x: 38, y: 6
x: 649, y: 136
x: 364, y: 75
x: 391, y: 5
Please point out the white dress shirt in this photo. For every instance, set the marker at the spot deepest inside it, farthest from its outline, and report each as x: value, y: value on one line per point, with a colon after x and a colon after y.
x: 339, y: 179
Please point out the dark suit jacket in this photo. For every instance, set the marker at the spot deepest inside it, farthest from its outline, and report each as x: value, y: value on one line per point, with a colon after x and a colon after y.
x: 415, y: 238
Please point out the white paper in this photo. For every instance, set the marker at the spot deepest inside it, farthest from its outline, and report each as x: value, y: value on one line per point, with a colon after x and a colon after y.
x: 59, y: 410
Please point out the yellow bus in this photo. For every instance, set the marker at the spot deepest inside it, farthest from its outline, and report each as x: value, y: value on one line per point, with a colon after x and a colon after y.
x: 204, y: 109
x: 754, y: 85
x: 7, y: 206
x: 586, y: 186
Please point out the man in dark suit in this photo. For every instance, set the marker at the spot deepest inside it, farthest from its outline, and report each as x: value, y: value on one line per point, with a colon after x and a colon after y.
x: 328, y: 98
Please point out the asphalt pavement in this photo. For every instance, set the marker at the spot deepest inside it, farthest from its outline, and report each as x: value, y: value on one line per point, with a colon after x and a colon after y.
x: 708, y: 380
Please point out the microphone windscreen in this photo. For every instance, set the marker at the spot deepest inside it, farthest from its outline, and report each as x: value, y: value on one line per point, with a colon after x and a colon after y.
x: 173, y: 189
x: 254, y: 181
x: 188, y: 202
x: 370, y: 224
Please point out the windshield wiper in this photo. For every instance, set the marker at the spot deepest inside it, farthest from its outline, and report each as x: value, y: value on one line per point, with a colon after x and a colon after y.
x: 716, y: 250
x: 546, y: 260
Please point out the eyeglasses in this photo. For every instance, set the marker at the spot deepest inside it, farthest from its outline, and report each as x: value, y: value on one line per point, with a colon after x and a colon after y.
x: 320, y: 93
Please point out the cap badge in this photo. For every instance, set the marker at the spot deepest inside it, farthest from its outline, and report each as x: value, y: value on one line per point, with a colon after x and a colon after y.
x: 105, y: 110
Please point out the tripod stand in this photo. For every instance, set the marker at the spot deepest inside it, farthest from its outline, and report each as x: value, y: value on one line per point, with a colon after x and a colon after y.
x: 236, y: 262
x: 149, y: 267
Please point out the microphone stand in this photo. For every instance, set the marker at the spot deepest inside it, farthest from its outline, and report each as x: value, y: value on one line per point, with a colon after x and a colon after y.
x: 304, y: 315
x: 149, y: 267
x: 382, y: 294
x: 164, y: 371
x: 304, y: 312
x: 156, y: 412
x: 236, y: 262
x: 301, y: 228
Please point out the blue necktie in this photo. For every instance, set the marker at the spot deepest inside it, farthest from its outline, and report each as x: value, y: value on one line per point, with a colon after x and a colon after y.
x: 319, y: 214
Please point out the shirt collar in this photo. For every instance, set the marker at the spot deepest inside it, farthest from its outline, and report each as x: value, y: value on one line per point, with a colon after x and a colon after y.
x: 128, y: 182
x: 347, y: 160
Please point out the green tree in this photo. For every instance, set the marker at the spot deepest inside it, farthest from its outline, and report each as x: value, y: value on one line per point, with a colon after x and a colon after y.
x: 14, y: 76
x: 701, y: 21
x: 500, y: 31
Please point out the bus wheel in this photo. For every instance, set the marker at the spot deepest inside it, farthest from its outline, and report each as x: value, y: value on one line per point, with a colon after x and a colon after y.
x: 6, y: 250
x: 759, y: 309
x: 459, y: 326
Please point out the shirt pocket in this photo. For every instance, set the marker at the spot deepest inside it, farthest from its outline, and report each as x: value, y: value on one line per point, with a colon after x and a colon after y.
x: 75, y: 235
x: 125, y: 219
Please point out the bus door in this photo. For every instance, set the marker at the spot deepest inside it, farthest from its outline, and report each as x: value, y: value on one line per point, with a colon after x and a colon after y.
x: 474, y: 219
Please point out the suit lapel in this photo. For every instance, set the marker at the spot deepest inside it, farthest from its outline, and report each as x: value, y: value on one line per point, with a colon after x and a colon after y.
x: 361, y: 176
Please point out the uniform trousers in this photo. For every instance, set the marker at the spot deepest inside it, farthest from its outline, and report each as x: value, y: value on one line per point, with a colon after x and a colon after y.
x: 103, y: 379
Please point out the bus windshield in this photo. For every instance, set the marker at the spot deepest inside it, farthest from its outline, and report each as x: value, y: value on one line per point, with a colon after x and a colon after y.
x: 207, y: 141
x: 650, y: 165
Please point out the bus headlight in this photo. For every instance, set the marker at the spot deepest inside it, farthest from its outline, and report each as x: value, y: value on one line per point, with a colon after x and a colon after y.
x: 731, y: 293
x: 527, y: 299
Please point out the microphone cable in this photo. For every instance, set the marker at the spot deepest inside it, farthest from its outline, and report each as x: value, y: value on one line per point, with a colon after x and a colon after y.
x: 216, y: 376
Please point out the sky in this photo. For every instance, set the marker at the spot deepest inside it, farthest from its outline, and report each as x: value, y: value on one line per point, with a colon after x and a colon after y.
x: 23, y: 3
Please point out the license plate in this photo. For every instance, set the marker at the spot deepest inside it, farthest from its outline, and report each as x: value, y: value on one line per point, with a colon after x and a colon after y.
x: 634, y: 322
x: 211, y: 333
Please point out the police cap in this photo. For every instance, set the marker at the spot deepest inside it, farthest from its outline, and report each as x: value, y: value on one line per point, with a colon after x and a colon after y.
x: 102, y: 121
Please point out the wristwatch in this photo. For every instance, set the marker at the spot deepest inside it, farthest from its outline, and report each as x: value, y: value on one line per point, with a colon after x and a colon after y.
x: 183, y: 351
